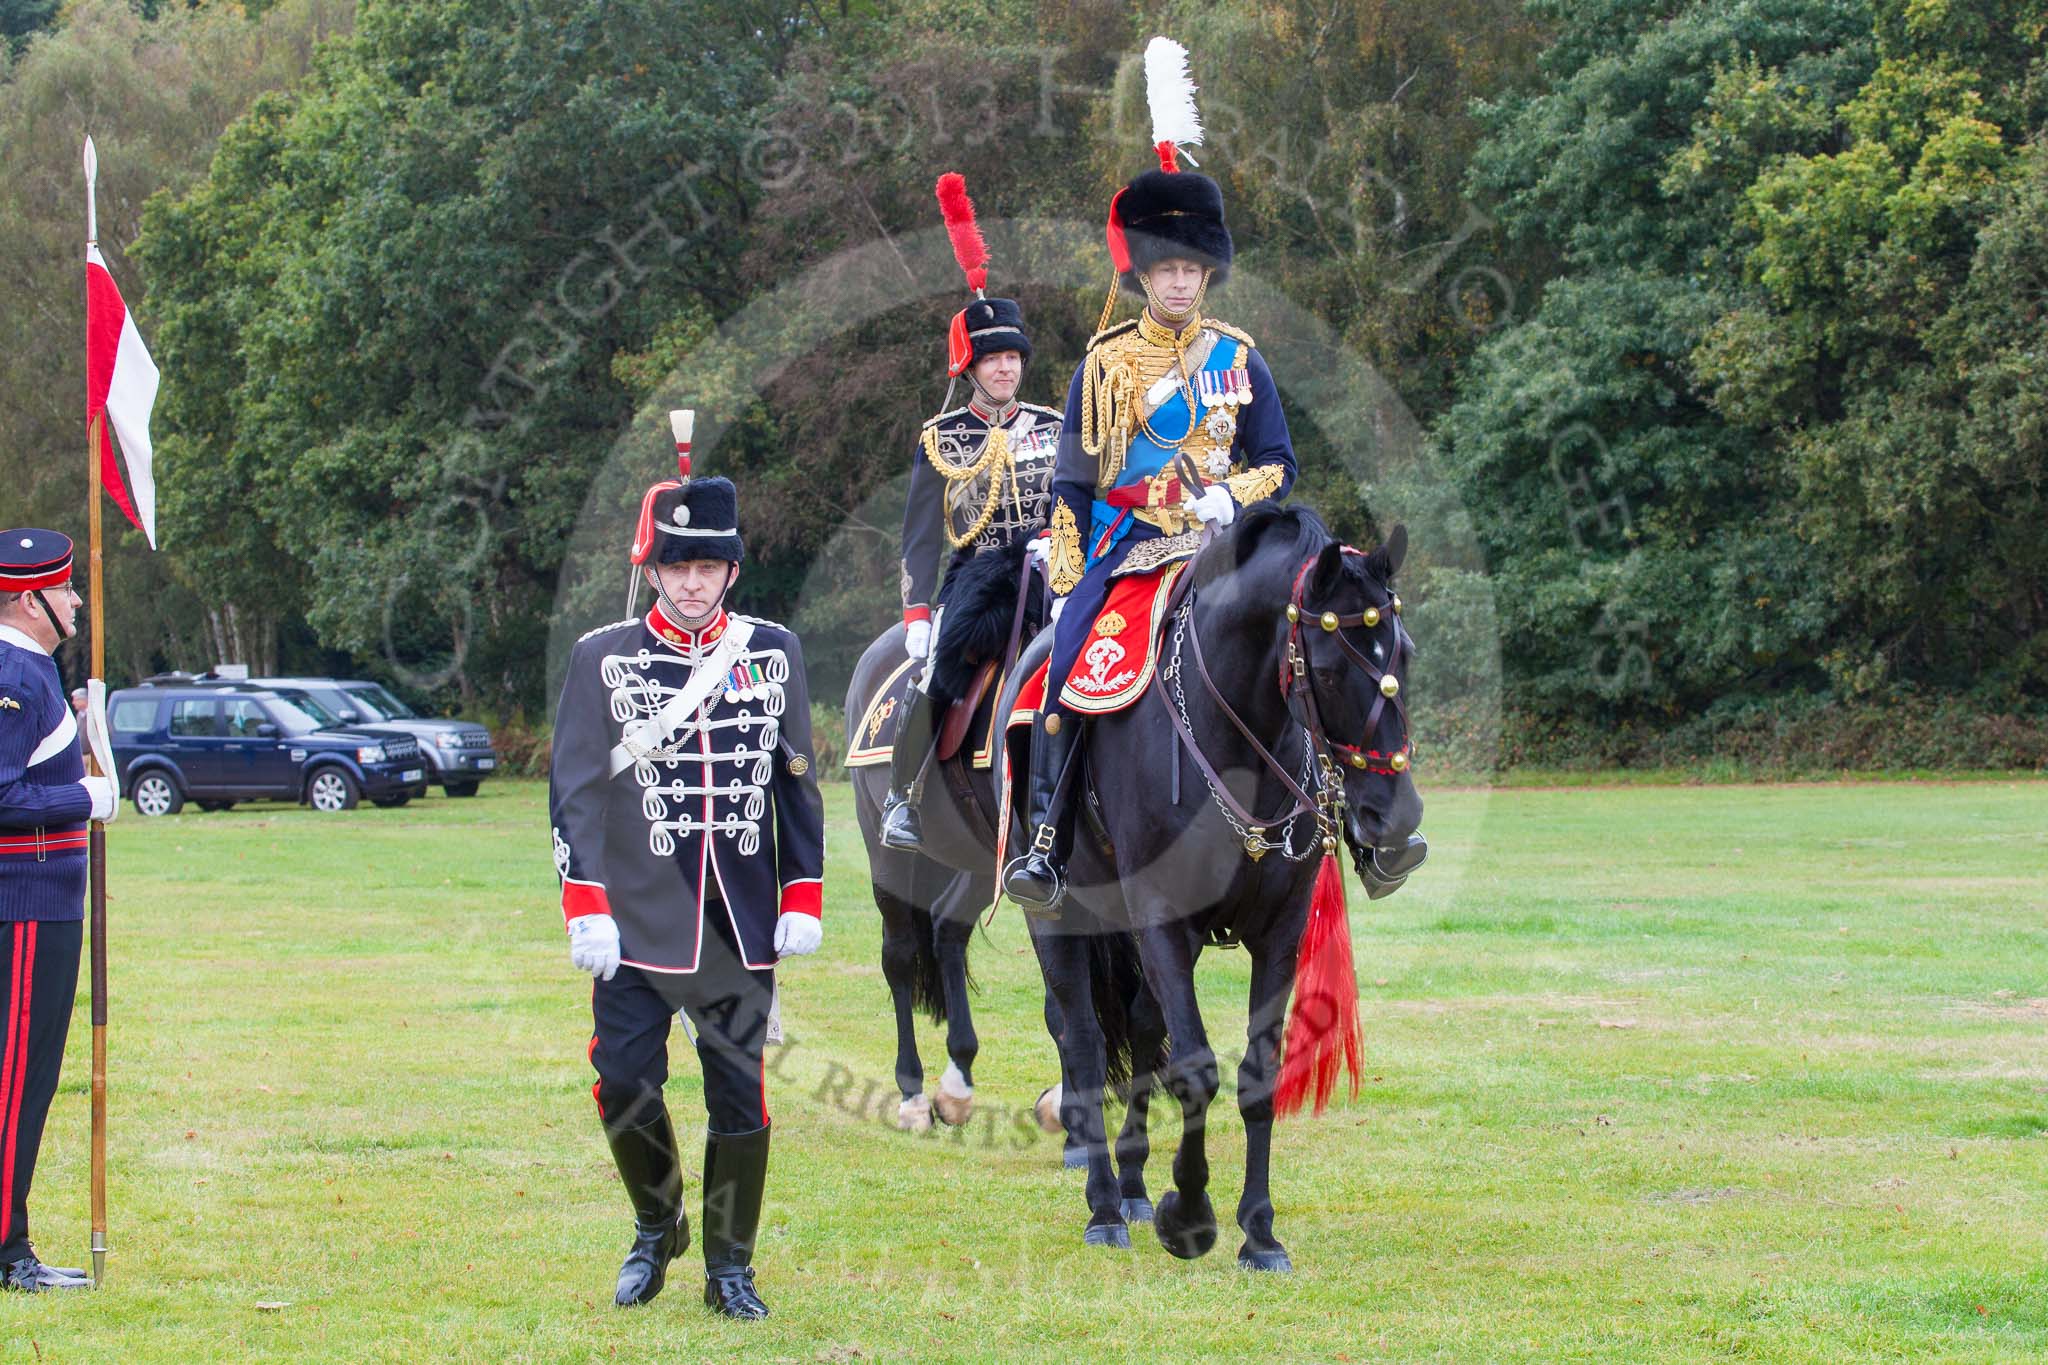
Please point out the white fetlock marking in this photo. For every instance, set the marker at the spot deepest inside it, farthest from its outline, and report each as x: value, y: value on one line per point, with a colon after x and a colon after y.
x: 914, y: 1115
x: 1049, y: 1111
x: 954, y: 1085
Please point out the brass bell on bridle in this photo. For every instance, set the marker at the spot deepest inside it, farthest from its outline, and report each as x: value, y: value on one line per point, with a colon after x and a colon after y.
x: 1397, y: 604
x: 1389, y: 685
x: 1372, y: 616
x: 1399, y: 762
x: 1293, y: 613
x: 1355, y: 759
x: 1330, y: 622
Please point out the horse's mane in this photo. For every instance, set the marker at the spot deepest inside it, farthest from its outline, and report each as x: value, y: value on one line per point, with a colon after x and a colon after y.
x: 1258, y: 525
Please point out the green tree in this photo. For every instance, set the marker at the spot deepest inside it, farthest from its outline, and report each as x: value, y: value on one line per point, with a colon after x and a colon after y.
x: 155, y: 97
x: 400, y: 290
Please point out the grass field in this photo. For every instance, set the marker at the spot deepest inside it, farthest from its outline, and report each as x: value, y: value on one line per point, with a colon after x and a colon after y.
x: 1655, y: 1073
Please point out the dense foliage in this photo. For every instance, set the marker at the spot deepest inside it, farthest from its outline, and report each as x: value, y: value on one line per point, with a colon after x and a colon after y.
x: 1699, y: 342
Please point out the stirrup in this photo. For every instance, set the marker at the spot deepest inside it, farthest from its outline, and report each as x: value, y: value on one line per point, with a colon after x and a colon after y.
x: 902, y: 830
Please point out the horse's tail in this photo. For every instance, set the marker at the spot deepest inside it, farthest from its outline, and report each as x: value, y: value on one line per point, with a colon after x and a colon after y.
x: 1115, y: 975
x: 1322, y: 1023
x: 927, y: 988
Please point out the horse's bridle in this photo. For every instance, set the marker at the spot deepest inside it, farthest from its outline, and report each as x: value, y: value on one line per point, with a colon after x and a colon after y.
x: 1297, y: 689
x: 1295, y: 681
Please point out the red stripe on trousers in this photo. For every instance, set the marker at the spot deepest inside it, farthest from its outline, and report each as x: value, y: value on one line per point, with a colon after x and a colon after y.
x: 8, y: 1079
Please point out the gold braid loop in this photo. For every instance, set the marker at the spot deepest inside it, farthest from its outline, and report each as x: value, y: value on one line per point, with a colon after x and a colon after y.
x: 995, y: 458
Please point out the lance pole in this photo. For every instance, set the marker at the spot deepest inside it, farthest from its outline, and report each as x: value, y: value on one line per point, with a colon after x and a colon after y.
x: 96, y: 847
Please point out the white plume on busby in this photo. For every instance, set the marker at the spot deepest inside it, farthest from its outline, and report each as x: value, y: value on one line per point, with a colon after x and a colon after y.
x: 1170, y: 93
x: 1167, y: 212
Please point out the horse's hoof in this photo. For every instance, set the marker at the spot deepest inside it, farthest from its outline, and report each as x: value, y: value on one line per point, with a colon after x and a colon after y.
x: 1137, y: 1210
x: 1074, y: 1158
x: 1274, y: 1259
x: 914, y: 1115
x: 1107, y: 1235
x: 1048, y: 1109
x: 1189, y: 1234
x: 954, y: 1099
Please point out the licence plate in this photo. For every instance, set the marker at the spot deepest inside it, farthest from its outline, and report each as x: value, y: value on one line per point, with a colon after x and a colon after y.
x: 412, y: 774
x: 486, y: 764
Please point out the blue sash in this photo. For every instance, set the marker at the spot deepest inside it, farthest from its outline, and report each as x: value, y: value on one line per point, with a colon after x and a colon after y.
x: 1145, y: 457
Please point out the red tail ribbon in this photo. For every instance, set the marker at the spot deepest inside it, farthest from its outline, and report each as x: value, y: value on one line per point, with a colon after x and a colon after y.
x: 1322, y: 1024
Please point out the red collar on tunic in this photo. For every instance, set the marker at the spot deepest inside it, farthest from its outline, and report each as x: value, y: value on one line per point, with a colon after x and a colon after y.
x: 981, y: 410
x: 682, y: 637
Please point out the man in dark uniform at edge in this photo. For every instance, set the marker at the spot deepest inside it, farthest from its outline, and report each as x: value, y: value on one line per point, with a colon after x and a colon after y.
x: 689, y: 835
x: 45, y: 801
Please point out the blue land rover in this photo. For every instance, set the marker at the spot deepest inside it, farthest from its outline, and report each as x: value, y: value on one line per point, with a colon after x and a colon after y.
x: 174, y: 743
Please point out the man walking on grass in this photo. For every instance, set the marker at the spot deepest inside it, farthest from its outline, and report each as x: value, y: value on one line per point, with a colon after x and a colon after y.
x: 689, y: 836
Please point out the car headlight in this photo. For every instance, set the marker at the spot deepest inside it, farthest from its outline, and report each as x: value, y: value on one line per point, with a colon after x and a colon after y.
x: 370, y: 753
x: 448, y: 741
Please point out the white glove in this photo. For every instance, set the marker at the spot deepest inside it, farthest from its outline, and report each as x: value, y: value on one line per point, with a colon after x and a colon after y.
x: 797, y: 934
x: 1213, y: 505
x: 101, y: 790
x: 1038, y: 553
x: 917, y: 639
x: 1059, y: 604
x: 594, y: 945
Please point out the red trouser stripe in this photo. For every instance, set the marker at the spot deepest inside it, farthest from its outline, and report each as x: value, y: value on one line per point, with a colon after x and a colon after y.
x: 13, y: 1067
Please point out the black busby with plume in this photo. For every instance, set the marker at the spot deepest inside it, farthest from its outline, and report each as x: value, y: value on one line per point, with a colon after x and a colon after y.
x: 686, y: 518
x: 1169, y: 212
x: 986, y: 325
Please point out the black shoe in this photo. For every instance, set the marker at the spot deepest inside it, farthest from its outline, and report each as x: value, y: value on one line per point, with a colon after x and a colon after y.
x: 30, y: 1276
x: 647, y: 1161
x: 1037, y: 879
x: 730, y: 1293
x: 901, y: 829
x: 735, y: 1174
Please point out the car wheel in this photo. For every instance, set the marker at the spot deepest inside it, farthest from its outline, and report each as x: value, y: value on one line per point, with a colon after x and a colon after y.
x: 215, y: 805
x: 460, y: 788
x: 389, y: 802
x: 332, y: 789
x: 156, y: 794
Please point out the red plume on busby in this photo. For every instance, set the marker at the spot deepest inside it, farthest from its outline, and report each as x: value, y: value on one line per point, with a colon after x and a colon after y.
x: 986, y: 324
x: 968, y: 247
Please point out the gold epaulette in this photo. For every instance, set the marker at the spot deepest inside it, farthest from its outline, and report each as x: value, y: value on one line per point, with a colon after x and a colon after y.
x: 1232, y: 332
x: 1106, y: 333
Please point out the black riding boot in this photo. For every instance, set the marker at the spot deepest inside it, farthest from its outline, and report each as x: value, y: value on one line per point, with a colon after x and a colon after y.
x: 901, y: 828
x: 653, y: 1173
x: 735, y: 1173
x: 1037, y: 879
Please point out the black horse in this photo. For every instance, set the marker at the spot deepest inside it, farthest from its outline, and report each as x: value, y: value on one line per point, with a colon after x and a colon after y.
x: 1278, y: 692
x: 929, y: 900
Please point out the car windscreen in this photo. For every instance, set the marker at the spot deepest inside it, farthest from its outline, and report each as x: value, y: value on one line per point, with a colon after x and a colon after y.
x: 376, y: 698
x: 340, y: 704
x: 299, y: 714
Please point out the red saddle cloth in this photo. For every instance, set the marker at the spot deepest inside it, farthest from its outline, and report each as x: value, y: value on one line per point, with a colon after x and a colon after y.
x: 1121, y: 654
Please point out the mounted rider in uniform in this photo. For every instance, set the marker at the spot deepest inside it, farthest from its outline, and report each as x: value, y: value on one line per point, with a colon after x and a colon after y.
x: 1173, y: 425
x: 980, y: 483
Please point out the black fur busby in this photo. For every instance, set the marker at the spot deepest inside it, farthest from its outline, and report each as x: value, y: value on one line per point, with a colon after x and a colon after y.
x: 1166, y: 214
x: 699, y: 520
x: 994, y: 325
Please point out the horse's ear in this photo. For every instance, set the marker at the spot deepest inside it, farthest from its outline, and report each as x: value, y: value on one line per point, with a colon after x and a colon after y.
x: 1385, y: 561
x: 1328, y: 574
